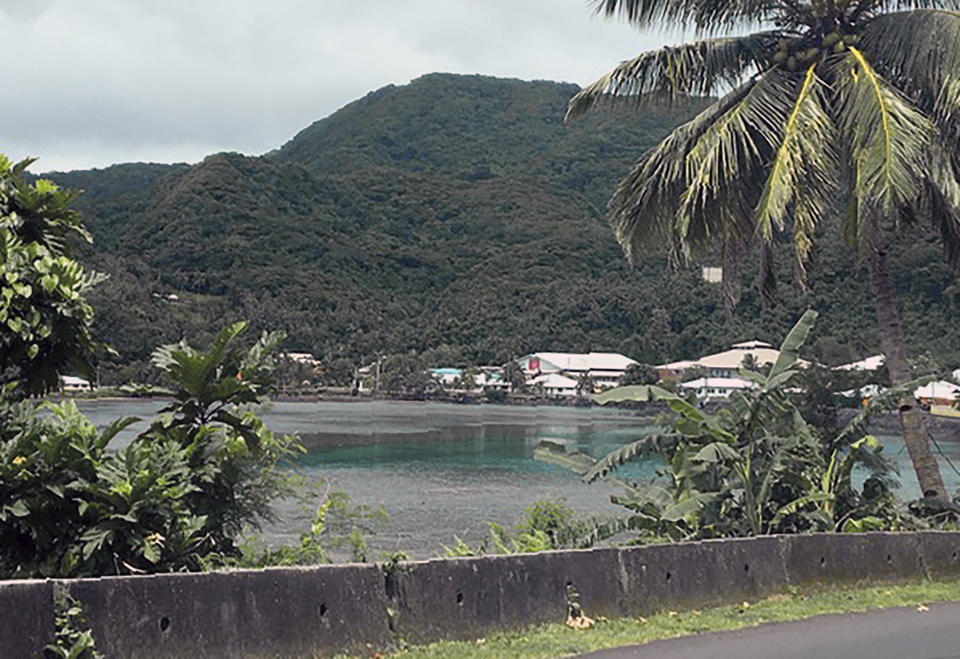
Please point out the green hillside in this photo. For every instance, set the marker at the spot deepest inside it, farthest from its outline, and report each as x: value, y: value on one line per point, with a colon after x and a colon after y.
x: 455, y: 214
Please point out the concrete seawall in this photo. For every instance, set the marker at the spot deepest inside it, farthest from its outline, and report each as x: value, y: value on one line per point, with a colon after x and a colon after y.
x: 290, y: 612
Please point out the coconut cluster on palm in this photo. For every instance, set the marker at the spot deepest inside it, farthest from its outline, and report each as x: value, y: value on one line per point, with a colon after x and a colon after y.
x: 836, y: 111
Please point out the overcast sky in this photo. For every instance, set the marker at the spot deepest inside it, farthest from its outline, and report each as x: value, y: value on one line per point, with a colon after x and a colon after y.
x: 88, y: 83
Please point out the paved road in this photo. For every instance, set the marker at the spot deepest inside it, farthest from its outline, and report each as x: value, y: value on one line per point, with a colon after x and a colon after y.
x: 884, y: 634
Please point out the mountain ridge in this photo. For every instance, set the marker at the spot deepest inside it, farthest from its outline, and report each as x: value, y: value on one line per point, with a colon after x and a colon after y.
x: 455, y: 215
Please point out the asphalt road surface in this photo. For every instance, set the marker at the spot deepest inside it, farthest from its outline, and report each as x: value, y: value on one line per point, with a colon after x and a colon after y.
x: 883, y: 634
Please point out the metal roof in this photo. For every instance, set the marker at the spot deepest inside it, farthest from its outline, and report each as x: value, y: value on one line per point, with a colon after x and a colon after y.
x: 718, y: 383
x: 591, y: 361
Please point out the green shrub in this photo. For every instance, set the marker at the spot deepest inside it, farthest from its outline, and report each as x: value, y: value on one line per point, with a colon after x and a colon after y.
x: 187, y: 487
x: 45, y: 321
x: 557, y: 522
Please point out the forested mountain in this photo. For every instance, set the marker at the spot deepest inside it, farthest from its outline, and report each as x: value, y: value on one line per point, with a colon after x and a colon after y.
x: 456, y: 215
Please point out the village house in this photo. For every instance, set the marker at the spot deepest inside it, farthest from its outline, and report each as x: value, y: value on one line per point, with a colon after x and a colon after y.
x: 554, y: 384
x: 869, y: 364
x: 305, y: 358
x: 605, y: 368
x: 716, y: 388
x: 491, y: 377
x: 724, y: 364
x: 484, y: 377
x: 940, y: 393
x: 70, y: 383
x: 446, y: 376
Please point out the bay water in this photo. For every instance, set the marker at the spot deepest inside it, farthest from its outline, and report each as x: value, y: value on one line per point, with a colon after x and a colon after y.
x: 442, y: 470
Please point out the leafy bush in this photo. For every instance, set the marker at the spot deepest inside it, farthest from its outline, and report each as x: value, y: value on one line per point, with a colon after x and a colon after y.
x: 558, y: 522
x: 45, y: 321
x: 203, y: 471
x: 544, y: 526
x: 337, y: 524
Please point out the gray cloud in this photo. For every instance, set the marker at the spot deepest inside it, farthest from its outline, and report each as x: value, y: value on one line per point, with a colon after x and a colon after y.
x: 105, y: 81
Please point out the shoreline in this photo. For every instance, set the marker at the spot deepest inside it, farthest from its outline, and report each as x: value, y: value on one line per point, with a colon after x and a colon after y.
x: 940, y: 428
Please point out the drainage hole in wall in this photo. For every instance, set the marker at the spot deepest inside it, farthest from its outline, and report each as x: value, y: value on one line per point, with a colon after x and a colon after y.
x: 164, y: 623
x: 668, y: 576
x: 954, y: 556
x: 746, y: 567
x: 823, y: 561
x: 889, y: 558
x: 459, y: 598
x: 323, y: 609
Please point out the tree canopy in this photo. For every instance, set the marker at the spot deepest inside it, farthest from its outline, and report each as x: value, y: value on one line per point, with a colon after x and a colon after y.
x: 844, y: 109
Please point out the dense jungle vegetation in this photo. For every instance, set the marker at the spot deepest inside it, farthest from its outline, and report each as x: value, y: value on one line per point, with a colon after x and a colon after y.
x: 455, y: 214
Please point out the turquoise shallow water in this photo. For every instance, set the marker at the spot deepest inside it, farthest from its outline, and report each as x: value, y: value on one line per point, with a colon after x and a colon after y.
x: 442, y: 469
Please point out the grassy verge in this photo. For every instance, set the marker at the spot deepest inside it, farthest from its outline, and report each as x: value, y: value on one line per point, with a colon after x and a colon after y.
x: 557, y: 640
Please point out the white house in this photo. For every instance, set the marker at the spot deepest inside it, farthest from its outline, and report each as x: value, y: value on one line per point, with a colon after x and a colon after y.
x: 868, y: 364
x: 555, y: 384
x: 305, y: 358
x: 716, y: 387
x: 724, y: 364
x: 491, y: 377
x: 483, y: 377
x: 446, y: 376
x: 73, y: 383
x: 938, y: 393
x: 727, y: 364
x: 866, y: 391
x: 605, y: 368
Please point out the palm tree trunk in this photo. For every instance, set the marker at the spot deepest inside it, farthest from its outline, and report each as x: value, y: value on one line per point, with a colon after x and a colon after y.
x: 891, y: 339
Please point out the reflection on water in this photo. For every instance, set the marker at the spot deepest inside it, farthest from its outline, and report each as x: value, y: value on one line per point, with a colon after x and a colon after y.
x: 443, y: 469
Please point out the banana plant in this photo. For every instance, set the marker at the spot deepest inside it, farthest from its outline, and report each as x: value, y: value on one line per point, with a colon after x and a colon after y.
x: 752, y: 468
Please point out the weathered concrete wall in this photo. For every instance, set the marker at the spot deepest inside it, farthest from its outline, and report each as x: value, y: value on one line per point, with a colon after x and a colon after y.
x: 275, y: 612
x: 316, y: 611
x: 26, y: 617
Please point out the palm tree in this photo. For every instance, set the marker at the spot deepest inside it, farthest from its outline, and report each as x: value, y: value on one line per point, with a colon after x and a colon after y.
x: 585, y: 384
x: 844, y: 109
x: 514, y: 376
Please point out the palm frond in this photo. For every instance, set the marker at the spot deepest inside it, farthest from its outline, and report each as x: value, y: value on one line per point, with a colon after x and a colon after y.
x: 675, y: 73
x: 946, y: 110
x: 643, y: 206
x: 918, y: 52
x: 639, y: 449
x: 724, y: 166
x: 802, y: 176
x: 888, y: 136
x: 943, y: 194
x: 767, y: 275
x: 706, y: 16
x: 891, y: 6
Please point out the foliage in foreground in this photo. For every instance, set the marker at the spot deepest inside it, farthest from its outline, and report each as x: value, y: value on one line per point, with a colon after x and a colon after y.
x: 338, y: 525
x: 72, y: 639
x: 204, y: 470
x: 544, y: 526
x: 559, y: 640
x: 45, y: 321
x: 754, y: 467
